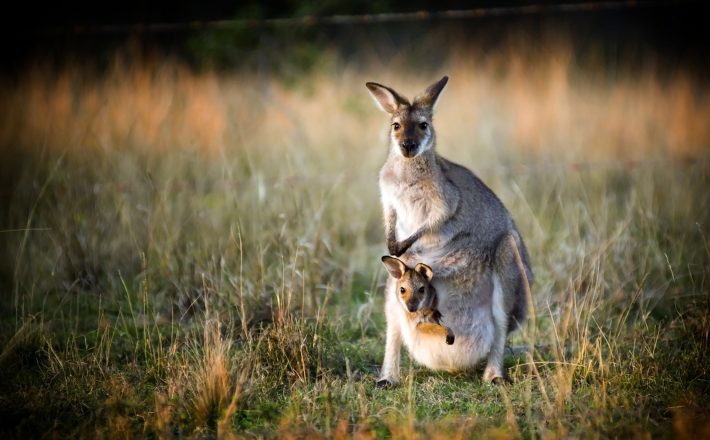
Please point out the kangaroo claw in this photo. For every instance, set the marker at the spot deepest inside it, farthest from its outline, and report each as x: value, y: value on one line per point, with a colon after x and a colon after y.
x: 384, y: 384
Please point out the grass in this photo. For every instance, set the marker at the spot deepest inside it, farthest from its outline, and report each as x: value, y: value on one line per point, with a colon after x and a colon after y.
x: 188, y: 255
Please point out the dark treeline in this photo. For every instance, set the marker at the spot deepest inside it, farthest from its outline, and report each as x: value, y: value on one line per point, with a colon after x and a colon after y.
x: 55, y: 33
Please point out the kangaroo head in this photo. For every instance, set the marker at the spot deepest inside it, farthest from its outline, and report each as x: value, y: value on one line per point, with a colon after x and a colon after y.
x: 411, y: 129
x: 413, y: 285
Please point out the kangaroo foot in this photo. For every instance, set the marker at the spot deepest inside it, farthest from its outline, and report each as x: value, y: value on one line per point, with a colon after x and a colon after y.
x: 506, y: 380
x: 496, y: 376
x: 385, y: 384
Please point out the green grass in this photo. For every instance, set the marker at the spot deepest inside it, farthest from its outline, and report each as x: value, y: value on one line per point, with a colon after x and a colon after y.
x: 238, y: 292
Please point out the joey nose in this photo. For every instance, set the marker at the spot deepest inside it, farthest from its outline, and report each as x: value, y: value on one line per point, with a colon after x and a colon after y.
x: 412, y: 307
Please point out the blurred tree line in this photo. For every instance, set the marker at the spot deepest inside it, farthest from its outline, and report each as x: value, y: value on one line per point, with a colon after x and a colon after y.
x: 76, y: 30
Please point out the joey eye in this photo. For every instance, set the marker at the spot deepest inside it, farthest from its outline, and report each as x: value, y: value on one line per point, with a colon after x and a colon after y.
x: 423, y: 125
x: 421, y: 289
x: 402, y: 290
x: 396, y: 126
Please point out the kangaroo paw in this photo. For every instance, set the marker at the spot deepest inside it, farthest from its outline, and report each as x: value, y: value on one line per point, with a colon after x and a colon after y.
x: 496, y: 376
x: 506, y: 380
x: 450, y: 338
x: 385, y: 384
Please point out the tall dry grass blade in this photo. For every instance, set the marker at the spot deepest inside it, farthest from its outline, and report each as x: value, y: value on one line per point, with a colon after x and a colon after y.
x: 224, y: 429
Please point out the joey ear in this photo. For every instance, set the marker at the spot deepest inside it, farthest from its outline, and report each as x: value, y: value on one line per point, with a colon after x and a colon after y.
x: 387, y: 99
x: 424, y: 270
x: 394, y: 266
x: 431, y: 95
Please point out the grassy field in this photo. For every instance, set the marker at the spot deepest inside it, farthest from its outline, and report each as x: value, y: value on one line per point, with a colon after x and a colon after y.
x: 197, y: 254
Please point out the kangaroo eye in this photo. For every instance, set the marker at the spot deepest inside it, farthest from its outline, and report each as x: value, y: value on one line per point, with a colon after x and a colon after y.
x: 396, y: 126
x: 402, y: 290
x: 421, y: 290
x: 423, y: 125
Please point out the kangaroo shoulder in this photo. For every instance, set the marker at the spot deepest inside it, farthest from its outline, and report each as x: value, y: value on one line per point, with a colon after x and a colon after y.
x: 387, y: 173
x: 456, y: 173
x: 471, y: 185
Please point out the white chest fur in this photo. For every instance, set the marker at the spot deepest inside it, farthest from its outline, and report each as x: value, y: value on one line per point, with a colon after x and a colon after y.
x: 416, y: 205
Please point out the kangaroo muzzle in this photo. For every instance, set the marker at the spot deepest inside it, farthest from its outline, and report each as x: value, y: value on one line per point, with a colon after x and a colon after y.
x: 408, y: 148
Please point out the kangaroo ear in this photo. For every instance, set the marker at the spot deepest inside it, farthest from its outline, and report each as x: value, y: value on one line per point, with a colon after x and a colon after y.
x: 394, y: 266
x: 387, y: 99
x: 431, y: 95
x: 424, y: 270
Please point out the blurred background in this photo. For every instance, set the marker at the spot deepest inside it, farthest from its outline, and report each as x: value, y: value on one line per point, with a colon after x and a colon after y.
x: 592, y: 78
x: 233, y: 103
x: 168, y: 165
x: 229, y: 104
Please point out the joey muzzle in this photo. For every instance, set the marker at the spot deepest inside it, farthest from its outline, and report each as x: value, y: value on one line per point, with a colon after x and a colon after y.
x: 412, y: 306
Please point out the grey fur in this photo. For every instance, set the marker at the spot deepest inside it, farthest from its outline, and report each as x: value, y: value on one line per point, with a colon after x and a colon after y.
x: 439, y: 213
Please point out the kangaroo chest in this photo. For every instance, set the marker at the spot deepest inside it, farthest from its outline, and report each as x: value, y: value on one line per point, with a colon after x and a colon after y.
x: 416, y: 204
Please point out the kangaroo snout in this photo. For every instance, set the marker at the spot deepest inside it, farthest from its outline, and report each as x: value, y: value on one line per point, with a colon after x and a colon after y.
x: 412, y: 306
x: 408, y: 147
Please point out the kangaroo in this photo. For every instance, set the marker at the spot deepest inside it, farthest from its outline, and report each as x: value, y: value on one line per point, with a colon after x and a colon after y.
x: 439, y: 213
x: 418, y: 296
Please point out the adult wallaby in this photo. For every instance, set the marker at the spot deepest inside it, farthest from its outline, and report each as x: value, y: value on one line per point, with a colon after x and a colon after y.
x: 439, y: 213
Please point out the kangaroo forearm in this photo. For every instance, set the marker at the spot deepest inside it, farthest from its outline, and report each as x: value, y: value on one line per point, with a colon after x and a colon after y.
x: 392, y: 244
x: 391, y: 229
x: 439, y: 215
x: 432, y: 329
x: 408, y: 242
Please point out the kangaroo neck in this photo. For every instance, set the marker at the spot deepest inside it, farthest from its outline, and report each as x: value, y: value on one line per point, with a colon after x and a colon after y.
x: 423, y: 166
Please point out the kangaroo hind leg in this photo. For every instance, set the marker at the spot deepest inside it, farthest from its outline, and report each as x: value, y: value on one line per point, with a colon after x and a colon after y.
x: 506, y: 298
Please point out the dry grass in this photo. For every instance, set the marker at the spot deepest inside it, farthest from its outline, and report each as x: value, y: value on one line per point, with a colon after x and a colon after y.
x: 196, y: 255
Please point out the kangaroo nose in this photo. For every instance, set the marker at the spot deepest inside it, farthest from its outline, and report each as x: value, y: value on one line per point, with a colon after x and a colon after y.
x: 408, y: 147
x: 411, y: 307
